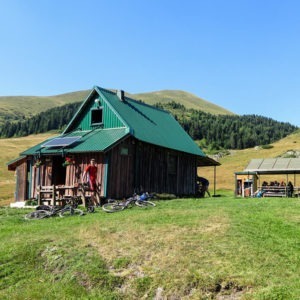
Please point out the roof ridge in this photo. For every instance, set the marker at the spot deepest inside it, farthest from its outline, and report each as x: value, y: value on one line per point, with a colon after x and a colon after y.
x: 132, y: 99
x: 103, y: 89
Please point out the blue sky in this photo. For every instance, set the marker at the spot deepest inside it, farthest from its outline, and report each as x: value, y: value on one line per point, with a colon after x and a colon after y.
x: 240, y: 54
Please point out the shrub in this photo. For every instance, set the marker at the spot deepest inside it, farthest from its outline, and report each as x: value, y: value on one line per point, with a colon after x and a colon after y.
x: 266, y: 146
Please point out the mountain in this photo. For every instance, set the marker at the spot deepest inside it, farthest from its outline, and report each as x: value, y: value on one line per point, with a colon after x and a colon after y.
x: 16, y: 108
x: 187, y: 99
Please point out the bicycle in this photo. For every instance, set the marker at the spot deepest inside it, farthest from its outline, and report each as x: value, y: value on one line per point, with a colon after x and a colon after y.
x: 90, y: 207
x: 46, y: 211
x: 143, y: 200
x: 117, y: 205
x: 83, y: 187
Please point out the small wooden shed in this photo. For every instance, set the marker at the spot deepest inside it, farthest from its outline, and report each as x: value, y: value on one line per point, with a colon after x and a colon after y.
x: 135, y: 145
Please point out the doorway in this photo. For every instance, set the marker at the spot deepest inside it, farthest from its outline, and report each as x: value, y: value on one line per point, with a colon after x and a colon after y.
x: 58, y: 171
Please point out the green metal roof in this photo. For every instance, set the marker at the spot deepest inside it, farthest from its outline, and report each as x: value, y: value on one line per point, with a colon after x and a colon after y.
x: 151, y: 125
x: 90, y: 141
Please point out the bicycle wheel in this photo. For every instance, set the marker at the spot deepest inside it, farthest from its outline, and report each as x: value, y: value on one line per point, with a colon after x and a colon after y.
x: 70, y: 211
x: 144, y: 203
x: 37, y: 215
x: 90, y: 209
x: 113, y: 207
x: 72, y: 201
x: 43, y: 207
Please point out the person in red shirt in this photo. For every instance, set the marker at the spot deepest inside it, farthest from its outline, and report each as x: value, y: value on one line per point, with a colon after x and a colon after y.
x: 90, y: 175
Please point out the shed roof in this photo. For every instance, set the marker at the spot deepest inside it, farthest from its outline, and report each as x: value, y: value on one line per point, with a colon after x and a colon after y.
x: 274, y: 166
x: 90, y: 141
x: 14, y: 163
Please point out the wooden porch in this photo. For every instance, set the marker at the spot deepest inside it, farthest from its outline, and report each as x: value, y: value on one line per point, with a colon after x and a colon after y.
x: 55, y: 194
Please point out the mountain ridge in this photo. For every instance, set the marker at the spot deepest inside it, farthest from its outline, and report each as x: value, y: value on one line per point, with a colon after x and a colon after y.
x: 16, y: 108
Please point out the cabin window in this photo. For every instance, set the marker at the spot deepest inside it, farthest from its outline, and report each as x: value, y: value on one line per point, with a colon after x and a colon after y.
x: 124, y: 151
x: 97, y: 116
x: 172, y: 164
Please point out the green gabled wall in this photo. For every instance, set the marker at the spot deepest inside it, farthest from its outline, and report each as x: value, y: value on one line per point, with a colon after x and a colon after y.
x: 82, y: 120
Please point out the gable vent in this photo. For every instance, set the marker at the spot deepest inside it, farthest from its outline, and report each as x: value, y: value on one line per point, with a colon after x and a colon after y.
x: 121, y: 95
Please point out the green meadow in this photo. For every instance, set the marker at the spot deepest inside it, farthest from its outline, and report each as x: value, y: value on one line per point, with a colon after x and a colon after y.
x: 211, y: 248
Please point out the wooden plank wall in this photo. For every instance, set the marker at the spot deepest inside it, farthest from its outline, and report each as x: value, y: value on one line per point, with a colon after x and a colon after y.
x: 121, y: 172
x: 150, y: 168
x: 43, y: 174
x: 165, y: 171
x: 21, y: 184
x: 74, y: 172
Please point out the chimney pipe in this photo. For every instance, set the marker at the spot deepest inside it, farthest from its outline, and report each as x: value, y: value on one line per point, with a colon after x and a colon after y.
x: 121, y: 95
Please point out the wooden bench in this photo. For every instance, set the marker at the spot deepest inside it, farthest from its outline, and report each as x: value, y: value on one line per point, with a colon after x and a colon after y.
x: 46, y: 194
x: 274, y: 194
x: 274, y: 191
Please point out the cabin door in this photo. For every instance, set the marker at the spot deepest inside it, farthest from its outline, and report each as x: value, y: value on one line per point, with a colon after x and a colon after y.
x: 58, y: 171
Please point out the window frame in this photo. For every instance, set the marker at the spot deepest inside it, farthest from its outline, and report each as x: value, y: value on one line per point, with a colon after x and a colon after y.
x: 96, y: 109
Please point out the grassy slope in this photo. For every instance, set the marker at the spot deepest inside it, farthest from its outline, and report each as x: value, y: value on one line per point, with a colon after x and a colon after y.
x: 26, y: 106
x: 219, y: 248
x: 187, y: 99
x: 10, y: 149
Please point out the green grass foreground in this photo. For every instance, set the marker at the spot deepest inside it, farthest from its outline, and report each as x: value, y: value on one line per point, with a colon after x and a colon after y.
x: 212, y: 248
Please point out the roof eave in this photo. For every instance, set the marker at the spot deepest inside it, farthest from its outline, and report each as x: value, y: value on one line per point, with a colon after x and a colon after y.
x: 205, y: 161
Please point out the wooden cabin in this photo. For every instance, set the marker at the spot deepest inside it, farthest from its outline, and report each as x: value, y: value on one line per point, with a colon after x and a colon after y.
x: 135, y: 145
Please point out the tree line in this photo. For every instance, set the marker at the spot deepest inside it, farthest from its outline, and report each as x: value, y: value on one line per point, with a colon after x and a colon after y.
x: 215, y: 131
x: 228, y: 131
x: 53, y: 119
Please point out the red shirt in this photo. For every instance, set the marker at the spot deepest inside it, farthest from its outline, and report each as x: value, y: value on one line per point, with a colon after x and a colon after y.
x: 92, y: 171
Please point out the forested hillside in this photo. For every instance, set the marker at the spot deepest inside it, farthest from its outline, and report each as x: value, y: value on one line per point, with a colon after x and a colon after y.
x: 229, y: 131
x: 53, y: 119
x: 214, y: 131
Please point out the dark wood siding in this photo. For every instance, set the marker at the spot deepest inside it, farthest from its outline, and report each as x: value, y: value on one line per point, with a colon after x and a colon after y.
x: 150, y: 168
x: 165, y: 171
x: 120, y: 171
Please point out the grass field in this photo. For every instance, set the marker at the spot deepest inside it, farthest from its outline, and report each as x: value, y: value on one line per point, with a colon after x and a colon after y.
x: 212, y: 248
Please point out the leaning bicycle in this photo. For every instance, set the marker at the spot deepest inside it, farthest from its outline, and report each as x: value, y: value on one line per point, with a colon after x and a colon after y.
x: 89, y: 203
